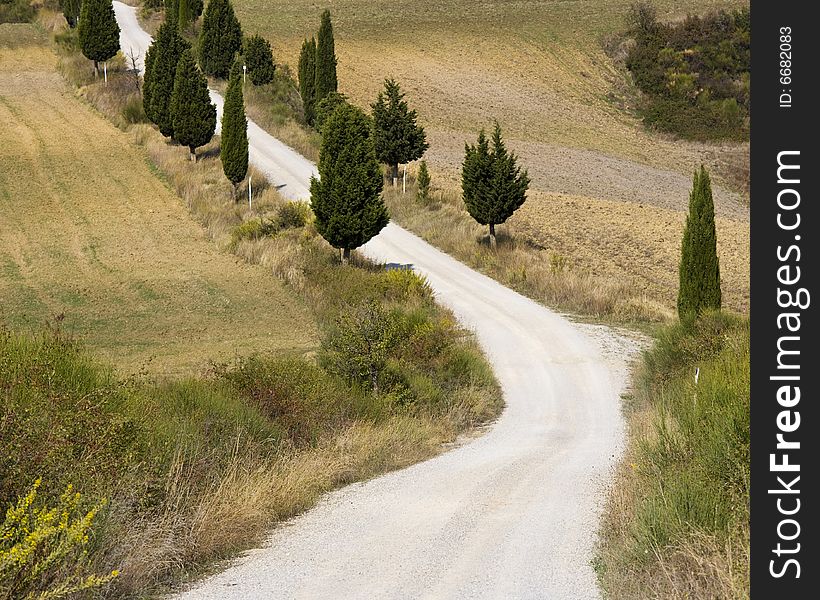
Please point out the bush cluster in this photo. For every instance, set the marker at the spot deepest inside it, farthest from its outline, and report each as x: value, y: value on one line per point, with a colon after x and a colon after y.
x: 695, y: 74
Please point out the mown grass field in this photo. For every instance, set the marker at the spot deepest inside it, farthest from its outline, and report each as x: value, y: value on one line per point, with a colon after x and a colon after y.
x: 88, y: 231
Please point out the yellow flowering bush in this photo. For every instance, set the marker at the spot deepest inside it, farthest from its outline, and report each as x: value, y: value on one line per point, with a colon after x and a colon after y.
x: 43, y: 549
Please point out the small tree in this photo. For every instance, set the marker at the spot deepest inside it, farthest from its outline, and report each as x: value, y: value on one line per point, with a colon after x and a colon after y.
x: 234, y: 147
x: 307, y: 79
x: 160, y: 74
x: 325, y: 59
x: 193, y: 114
x: 347, y: 198
x: 71, y: 11
x: 699, y: 270
x: 98, y: 32
x: 259, y: 60
x: 493, y: 186
x: 220, y: 38
x: 326, y: 107
x: 423, y: 182
x: 398, y: 138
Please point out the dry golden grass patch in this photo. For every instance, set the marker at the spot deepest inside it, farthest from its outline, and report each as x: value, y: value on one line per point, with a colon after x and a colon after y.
x: 89, y: 231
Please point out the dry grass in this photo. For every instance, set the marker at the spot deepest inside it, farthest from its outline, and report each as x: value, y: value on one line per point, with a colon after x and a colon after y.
x: 589, y: 256
x: 91, y: 233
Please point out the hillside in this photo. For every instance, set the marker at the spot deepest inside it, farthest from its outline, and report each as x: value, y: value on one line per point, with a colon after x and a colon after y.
x: 88, y: 231
x: 551, y: 73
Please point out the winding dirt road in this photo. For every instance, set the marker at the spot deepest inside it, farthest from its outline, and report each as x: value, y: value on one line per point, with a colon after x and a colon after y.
x: 512, y: 514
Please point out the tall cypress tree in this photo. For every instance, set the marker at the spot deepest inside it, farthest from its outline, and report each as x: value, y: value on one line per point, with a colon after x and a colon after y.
x: 71, y: 11
x: 325, y: 59
x: 162, y: 58
x: 398, y: 138
x: 347, y: 198
x: 192, y: 112
x: 307, y: 79
x: 493, y: 186
x: 220, y: 38
x: 98, y: 32
x: 699, y: 269
x: 234, y: 148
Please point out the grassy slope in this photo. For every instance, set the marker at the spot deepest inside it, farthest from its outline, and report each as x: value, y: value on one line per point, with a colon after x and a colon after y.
x: 87, y: 229
x: 677, y: 522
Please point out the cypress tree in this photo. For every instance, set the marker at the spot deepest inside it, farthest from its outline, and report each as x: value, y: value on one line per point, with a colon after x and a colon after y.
x: 307, y: 79
x: 325, y: 59
x: 347, y: 198
x: 184, y: 16
x: 398, y: 138
x: 234, y: 147
x: 220, y: 39
x: 699, y: 269
x: 326, y: 107
x: 423, y: 182
x: 98, y: 32
x: 259, y: 60
x: 71, y: 11
x: 493, y: 186
x: 192, y: 113
x: 162, y: 58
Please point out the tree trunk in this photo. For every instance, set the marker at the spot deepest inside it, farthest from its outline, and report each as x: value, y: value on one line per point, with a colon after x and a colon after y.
x: 235, y: 191
x: 193, y: 153
x: 345, y: 256
x: 492, y: 236
x: 96, y: 69
x: 395, y: 171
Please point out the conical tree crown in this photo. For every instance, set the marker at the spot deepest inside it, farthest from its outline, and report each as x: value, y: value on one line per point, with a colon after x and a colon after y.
x: 193, y: 113
x: 307, y: 79
x: 699, y: 271
x: 325, y: 59
x: 347, y: 199
x: 259, y: 60
x: 162, y: 58
x: 493, y: 186
x: 220, y: 38
x: 98, y: 30
x: 398, y: 139
x: 234, y: 148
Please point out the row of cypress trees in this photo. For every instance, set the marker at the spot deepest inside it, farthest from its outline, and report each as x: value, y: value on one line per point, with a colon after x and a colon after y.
x: 317, y: 68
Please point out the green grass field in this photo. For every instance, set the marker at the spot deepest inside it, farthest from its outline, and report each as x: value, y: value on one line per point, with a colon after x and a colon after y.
x: 88, y: 231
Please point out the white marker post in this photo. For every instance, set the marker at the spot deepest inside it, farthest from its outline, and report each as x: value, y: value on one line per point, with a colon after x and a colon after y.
x: 250, y: 192
x: 404, y: 181
x: 105, y: 71
x: 244, y: 72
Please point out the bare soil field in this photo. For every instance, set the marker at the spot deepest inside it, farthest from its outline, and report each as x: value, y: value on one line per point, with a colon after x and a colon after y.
x: 634, y: 243
x: 88, y: 231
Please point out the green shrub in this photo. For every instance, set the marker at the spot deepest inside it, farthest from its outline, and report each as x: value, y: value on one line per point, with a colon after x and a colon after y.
x: 292, y: 215
x: 695, y: 74
x: 253, y: 229
x: 133, y: 111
